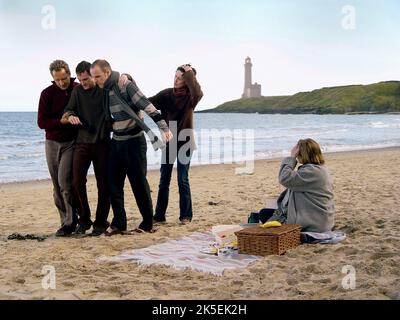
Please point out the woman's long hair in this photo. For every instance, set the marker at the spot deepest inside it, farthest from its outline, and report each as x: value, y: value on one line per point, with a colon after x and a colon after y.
x: 310, y: 152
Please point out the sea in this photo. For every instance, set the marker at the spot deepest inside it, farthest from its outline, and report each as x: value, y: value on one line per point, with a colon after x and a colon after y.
x: 221, y: 138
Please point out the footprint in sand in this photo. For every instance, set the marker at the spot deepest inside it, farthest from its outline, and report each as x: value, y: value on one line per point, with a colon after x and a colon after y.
x: 292, y: 281
x: 347, y: 250
x: 320, y: 250
x: 312, y: 268
x: 380, y: 224
x: 237, y: 283
x: 68, y: 283
x: 380, y: 255
x: 323, y: 280
x: 349, y: 229
x: 19, y: 280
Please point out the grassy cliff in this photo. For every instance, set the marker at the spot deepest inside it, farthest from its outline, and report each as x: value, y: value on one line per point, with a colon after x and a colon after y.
x: 380, y: 97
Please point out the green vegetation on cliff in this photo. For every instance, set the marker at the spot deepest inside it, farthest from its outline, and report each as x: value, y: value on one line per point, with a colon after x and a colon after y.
x: 380, y: 97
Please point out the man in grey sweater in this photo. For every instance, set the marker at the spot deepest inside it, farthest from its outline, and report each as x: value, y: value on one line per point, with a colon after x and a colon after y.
x: 127, y: 154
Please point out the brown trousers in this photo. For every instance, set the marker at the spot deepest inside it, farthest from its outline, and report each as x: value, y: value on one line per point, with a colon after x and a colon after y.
x: 59, y: 161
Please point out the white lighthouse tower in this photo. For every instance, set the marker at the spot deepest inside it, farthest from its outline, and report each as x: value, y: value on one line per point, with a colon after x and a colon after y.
x: 250, y: 90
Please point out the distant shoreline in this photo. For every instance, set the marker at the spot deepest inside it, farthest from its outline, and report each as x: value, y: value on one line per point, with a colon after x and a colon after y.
x: 200, y: 166
x: 320, y: 114
x: 376, y: 98
x: 213, y: 111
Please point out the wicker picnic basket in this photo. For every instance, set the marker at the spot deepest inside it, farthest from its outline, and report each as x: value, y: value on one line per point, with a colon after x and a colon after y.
x: 265, y: 241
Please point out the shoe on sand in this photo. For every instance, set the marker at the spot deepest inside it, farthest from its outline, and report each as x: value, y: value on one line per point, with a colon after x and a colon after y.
x: 138, y: 230
x: 185, y: 221
x: 159, y: 220
x: 97, y: 232
x: 82, y: 228
x: 112, y: 232
x: 64, y: 231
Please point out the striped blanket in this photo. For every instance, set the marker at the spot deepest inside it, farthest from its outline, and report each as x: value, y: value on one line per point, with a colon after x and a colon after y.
x: 185, y: 253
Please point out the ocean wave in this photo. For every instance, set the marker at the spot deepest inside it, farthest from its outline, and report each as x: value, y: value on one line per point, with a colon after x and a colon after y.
x: 377, y: 124
x: 22, y: 156
x: 23, y: 144
x: 380, y: 124
x: 356, y: 147
x: 279, y: 153
x: 331, y: 149
x: 24, y: 179
x: 263, y: 134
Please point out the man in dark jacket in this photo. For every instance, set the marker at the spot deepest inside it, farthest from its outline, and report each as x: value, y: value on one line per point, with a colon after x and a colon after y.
x: 85, y: 110
x: 127, y: 155
x: 60, y: 136
x: 177, y: 106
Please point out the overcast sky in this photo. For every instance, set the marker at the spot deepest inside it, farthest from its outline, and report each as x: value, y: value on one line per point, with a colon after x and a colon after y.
x: 295, y: 45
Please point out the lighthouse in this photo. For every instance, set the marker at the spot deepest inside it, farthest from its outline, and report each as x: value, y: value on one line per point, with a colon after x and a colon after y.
x: 250, y: 90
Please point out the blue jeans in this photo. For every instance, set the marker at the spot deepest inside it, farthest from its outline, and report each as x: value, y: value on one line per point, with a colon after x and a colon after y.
x: 185, y: 197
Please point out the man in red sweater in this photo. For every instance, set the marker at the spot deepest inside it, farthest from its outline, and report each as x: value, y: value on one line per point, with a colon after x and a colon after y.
x: 60, y: 138
x: 177, y: 107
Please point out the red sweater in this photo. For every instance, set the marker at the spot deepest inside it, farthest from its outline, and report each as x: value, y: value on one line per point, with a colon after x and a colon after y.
x: 52, y: 102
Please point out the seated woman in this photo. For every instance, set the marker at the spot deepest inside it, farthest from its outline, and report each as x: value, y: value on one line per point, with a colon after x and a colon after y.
x: 308, y: 199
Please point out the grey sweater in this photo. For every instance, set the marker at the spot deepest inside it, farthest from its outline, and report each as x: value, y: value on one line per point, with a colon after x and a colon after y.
x: 310, y: 198
x: 124, y: 127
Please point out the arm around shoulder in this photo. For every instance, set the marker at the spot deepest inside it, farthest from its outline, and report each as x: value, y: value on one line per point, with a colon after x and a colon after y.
x: 140, y: 101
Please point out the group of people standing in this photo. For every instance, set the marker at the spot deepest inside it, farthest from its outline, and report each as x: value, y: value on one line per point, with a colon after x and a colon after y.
x: 101, y: 121
x: 92, y: 122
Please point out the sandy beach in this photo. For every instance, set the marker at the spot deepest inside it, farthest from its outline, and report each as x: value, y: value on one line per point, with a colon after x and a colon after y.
x: 367, y: 202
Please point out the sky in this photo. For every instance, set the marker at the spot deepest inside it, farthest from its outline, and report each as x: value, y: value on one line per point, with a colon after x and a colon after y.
x: 295, y: 45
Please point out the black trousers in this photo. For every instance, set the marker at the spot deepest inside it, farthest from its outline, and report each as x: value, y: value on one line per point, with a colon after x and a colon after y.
x: 128, y: 158
x: 84, y: 155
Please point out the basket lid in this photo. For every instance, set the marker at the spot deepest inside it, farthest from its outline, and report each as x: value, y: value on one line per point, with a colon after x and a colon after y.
x: 272, y: 231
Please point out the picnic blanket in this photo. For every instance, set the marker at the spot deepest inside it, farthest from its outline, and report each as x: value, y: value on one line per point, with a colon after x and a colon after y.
x: 185, y: 253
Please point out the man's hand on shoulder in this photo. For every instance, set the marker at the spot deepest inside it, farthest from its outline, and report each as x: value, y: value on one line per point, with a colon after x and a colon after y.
x: 123, y: 80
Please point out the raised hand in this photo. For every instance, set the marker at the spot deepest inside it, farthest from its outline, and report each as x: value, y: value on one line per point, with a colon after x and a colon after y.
x: 187, y: 67
x: 295, y: 151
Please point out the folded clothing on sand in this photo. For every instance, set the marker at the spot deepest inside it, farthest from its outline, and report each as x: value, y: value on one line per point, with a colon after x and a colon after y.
x: 329, y: 237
